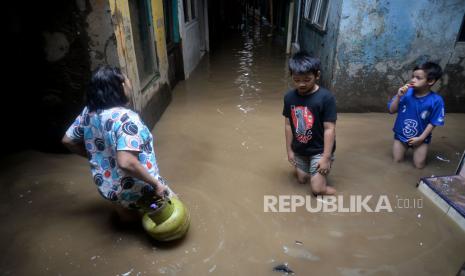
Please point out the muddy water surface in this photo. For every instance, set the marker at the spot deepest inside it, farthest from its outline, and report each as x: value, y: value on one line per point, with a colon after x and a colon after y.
x: 220, y: 144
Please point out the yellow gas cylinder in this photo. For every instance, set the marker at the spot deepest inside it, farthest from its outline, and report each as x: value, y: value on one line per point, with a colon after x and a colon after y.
x: 170, y: 221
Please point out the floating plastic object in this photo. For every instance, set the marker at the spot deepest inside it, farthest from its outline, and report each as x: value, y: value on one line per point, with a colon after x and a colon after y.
x: 283, y: 268
x: 442, y: 158
x: 169, y: 221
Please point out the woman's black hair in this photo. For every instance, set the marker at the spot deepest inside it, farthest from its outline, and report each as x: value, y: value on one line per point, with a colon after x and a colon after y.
x: 302, y: 63
x: 106, y: 89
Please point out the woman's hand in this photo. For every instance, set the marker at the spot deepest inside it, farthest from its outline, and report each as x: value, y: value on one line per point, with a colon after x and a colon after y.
x: 160, y: 190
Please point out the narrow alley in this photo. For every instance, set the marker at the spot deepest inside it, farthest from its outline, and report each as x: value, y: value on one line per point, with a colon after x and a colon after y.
x: 220, y: 145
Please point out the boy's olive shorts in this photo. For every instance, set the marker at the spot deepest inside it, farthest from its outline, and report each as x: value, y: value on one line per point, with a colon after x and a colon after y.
x: 309, y: 164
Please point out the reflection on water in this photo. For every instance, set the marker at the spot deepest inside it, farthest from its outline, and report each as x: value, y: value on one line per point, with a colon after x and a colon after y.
x: 222, y: 160
x: 247, y: 81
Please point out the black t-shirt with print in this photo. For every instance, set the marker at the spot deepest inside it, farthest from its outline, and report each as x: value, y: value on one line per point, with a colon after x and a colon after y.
x: 307, y: 115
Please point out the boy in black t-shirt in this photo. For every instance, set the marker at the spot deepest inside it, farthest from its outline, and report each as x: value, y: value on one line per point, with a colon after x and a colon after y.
x: 310, y: 124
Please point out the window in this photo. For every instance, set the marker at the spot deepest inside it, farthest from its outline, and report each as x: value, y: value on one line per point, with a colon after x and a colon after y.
x: 189, y: 10
x: 144, y: 40
x: 316, y: 12
x: 461, y: 37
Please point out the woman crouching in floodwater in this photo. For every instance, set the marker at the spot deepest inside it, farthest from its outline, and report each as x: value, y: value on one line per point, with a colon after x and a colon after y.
x: 117, y: 143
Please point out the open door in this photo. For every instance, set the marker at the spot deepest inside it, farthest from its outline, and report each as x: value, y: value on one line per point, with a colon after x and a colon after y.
x: 173, y: 42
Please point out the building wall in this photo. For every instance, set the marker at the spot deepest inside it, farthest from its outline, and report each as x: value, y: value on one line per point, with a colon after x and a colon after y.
x: 193, y: 38
x: 191, y: 47
x: 102, y: 46
x: 322, y: 44
x: 162, y: 55
x: 153, y: 99
x: 54, y: 46
x: 379, y: 42
x: 47, y: 61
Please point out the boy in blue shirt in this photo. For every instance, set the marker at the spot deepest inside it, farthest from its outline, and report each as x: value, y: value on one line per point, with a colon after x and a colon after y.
x: 419, y: 110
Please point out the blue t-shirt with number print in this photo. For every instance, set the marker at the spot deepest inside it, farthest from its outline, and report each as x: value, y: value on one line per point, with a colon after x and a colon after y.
x: 415, y: 113
x: 105, y: 132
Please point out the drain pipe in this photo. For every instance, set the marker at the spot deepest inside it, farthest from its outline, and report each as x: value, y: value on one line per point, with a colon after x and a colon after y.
x: 289, y: 27
x: 295, y: 45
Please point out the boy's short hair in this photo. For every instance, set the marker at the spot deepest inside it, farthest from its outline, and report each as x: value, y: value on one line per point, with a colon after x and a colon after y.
x: 106, y: 89
x: 301, y: 63
x: 432, y: 70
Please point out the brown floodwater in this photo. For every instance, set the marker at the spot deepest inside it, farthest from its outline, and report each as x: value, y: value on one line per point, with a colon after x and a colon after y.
x: 220, y: 144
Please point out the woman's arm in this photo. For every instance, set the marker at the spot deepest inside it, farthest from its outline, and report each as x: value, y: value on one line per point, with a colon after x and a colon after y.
x: 129, y: 163
x: 73, y: 146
